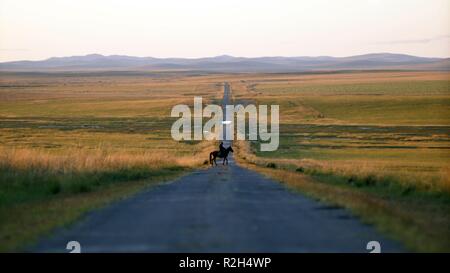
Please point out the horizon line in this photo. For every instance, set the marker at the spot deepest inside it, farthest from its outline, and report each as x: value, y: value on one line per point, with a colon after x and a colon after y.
x: 220, y: 55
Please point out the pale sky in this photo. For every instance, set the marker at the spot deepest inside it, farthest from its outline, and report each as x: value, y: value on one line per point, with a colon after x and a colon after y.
x: 39, y: 29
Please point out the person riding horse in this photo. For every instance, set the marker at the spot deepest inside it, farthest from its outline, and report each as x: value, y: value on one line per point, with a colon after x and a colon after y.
x: 221, y: 149
x: 222, y: 153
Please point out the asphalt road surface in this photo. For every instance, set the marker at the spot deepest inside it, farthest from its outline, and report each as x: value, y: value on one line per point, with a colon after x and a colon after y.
x: 220, y: 209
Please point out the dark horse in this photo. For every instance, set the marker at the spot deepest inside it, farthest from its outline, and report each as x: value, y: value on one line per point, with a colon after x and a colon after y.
x: 224, y: 155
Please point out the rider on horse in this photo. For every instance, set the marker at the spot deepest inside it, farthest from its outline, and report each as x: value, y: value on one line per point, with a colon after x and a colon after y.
x: 221, y: 148
x: 222, y: 153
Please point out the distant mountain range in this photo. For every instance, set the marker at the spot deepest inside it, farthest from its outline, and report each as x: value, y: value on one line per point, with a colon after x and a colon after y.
x: 227, y: 63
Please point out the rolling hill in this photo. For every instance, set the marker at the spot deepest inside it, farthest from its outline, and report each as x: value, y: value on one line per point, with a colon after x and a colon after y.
x: 226, y: 63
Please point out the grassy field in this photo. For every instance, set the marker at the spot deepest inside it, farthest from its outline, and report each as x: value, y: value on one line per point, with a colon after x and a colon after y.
x: 72, y: 142
x: 374, y: 142
x: 379, y: 139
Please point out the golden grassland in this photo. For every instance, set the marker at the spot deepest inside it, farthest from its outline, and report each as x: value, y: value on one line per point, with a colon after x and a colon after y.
x: 396, y: 98
x: 359, y: 134
x: 73, y: 142
x: 374, y: 142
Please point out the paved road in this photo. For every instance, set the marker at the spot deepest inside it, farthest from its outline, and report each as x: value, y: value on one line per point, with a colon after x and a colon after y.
x: 221, y: 209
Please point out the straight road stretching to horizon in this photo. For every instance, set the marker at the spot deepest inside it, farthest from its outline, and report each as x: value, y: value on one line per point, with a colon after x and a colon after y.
x: 219, y: 209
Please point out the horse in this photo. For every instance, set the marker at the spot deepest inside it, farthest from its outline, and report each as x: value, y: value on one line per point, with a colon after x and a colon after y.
x: 215, y: 154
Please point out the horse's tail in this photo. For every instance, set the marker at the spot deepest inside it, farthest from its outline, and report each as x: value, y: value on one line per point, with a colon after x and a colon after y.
x: 211, y: 158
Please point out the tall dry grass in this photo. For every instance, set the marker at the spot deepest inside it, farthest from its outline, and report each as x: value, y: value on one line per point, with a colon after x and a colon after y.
x: 361, y: 172
x: 28, y: 174
x: 99, y: 159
